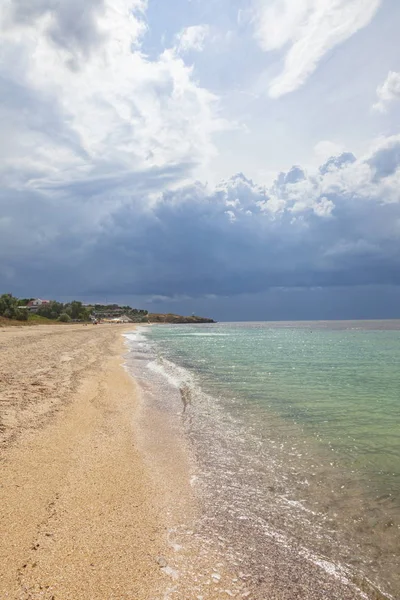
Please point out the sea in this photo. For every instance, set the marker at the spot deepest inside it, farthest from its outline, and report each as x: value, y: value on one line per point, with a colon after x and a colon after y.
x: 294, y: 433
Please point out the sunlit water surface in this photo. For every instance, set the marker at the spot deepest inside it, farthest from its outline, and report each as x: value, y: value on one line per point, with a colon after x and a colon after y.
x: 296, y: 432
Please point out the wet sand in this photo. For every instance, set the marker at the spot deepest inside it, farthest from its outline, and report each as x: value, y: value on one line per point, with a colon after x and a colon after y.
x: 280, y: 541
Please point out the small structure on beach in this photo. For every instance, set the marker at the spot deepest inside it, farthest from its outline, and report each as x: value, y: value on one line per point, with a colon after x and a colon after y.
x: 121, y: 319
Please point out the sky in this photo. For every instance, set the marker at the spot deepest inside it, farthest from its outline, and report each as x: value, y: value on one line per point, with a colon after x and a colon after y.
x: 238, y: 159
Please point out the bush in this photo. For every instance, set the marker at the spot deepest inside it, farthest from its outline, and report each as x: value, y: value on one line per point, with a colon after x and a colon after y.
x: 8, y: 306
x: 64, y: 318
x: 52, y: 310
x: 21, y: 315
x: 24, y: 301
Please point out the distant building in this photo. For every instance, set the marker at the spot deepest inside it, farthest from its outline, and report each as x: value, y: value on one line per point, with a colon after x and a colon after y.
x: 121, y: 319
x: 34, y: 305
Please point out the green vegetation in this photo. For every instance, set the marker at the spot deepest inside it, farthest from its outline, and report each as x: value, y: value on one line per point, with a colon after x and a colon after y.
x: 16, y: 309
x: 64, y: 318
x: 32, y: 320
x: 24, y: 301
x: 38, y: 320
x: 171, y: 318
x: 10, y: 309
x: 114, y: 311
x: 74, y: 310
x: 13, y: 310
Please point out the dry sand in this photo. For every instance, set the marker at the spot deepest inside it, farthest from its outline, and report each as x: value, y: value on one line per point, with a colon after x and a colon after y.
x: 95, y: 485
x: 80, y: 515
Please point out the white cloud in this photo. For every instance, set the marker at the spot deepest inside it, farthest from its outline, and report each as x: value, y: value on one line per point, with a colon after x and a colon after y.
x: 307, y: 29
x: 324, y: 207
x: 231, y: 216
x: 388, y: 92
x: 82, y: 102
x: 192, y: 38
x: 97, y: 139
x: 325, y: 149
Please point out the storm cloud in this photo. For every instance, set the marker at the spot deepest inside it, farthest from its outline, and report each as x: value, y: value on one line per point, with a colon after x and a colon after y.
x: 339, y: 226
x: 106, y: 149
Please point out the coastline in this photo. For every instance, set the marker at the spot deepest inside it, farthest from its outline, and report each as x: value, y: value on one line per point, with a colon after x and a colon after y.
x: 102, y: 492
x: 268, y: 501
x: 95, y: 485
x: 80, y: 515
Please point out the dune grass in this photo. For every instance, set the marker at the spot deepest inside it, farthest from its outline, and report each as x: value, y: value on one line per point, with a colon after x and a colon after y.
x: 32, y: 320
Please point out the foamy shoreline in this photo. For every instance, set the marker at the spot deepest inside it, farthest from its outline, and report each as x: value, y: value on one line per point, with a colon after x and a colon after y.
x: 266, y: 544
x: 96, y: 495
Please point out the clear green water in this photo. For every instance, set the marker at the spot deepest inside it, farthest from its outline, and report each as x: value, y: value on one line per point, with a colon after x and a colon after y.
x: 342, y: 385
x: 331, y: 391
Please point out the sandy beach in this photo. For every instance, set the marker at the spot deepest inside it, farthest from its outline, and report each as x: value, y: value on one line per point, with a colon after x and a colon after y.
x: 97, y: 500
x: 92, y: 486
x: 79, y: 516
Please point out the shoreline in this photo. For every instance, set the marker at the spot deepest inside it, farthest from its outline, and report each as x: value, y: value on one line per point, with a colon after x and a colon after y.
x: 96, y: 485
x: 102, y: 493
x: 258, y: 510
x: 194, y: 567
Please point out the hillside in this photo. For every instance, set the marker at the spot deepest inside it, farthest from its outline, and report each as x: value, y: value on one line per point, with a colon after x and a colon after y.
x: 32, y: 320
x: 171, y: 318
x: 29, y: 311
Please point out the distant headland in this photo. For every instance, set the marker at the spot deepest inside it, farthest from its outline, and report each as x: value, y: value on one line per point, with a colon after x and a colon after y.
x: 37, y: 311
x: 171, y: 318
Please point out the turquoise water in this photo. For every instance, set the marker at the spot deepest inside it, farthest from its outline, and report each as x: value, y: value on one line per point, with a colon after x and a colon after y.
x: 343, y: 386
x: 313, y: 411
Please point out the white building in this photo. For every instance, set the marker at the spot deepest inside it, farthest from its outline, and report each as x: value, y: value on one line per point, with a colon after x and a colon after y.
x: 33, y: 305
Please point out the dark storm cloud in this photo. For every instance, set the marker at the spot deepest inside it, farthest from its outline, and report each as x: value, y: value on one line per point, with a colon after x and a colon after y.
x: 115, y: 235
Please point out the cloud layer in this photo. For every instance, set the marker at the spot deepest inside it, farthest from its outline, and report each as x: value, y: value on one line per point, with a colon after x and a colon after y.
x: 388, y: 92
x: 337, y: 226
x: 80, y: 99
x: 192, y: 38
x: 307, y: 30
x: 100, y: 143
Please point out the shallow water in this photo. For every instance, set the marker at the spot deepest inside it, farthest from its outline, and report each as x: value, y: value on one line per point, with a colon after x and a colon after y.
x: 295, y: 431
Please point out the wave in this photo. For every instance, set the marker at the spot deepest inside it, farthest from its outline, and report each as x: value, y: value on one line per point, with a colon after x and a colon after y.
x: 252, y: 475
x: 204, y: 334
x: 175, y: 375
x: 135, y: 336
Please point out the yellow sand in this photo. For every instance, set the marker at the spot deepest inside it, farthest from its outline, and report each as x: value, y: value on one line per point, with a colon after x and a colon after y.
x: 93, y: 487
x: 79, y: 515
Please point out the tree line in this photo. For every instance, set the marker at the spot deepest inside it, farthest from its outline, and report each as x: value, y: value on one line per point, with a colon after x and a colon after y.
x: 16, y: 308
x: 10, y: 308
x: 72, y: 311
